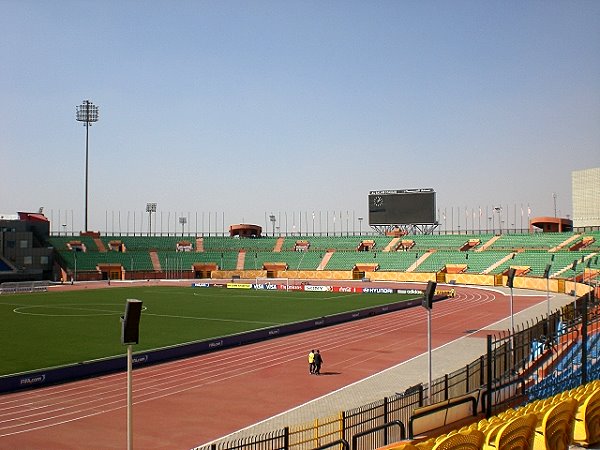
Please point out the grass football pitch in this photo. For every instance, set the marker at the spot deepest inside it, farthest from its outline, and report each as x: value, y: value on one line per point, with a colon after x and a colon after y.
x: 49, y: 329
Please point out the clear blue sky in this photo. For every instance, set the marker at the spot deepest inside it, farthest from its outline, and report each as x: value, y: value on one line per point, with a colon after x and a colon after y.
x: 242, y: 108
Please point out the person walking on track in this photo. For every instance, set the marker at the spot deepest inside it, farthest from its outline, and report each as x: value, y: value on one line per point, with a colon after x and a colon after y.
x: 311, y: 362
x: 318, y: 360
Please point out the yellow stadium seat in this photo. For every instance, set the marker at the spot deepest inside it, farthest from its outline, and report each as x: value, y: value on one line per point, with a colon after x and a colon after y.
x: 405, y: 446
x: 557, y: 427
x: 471, y: 427
x: 426, y: 445
x: 493, y: 427
x: 517, y: 434
x: 507, y: 414
x: 483, y: 423
x: 470, y: 440
x: 587, y: 420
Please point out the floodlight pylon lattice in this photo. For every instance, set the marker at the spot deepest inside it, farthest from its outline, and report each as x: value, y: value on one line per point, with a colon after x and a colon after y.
x: 182, y: 221
x: 150, y: 208
x: 87, y: 113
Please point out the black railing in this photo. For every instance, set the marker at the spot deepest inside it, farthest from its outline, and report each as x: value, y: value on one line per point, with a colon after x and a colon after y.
x: 382, y: 429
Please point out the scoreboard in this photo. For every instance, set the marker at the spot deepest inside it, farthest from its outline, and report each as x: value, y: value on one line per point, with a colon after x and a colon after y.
x: 404, y: 206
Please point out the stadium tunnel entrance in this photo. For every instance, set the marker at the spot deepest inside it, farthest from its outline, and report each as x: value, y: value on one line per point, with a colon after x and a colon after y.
x: 204, y: 270
x: 111, y: 271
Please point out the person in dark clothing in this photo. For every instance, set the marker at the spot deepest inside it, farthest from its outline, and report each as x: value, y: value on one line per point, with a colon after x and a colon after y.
x: 318, y: 360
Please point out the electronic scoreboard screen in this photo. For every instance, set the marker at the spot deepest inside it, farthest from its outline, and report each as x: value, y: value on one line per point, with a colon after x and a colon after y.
x: 404, y: 206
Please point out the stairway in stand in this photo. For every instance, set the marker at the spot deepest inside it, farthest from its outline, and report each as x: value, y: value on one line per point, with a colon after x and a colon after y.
x: 325, y: 260
x: 100, y: 245
x: 278, y: 245
x: 155, y: 260
x: 418, y: 262
x: 392, y: 245
x: 240, y: 260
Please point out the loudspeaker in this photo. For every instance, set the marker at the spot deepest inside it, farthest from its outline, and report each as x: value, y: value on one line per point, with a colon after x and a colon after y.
x: 429, y: 293
x: 547, y: 270
x: 511, y: 277
x: 130, y: 322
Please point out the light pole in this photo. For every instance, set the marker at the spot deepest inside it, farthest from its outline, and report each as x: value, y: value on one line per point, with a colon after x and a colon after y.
x: 272, y: 219
x: 87, y: 113
x: 130, y: 334
x: 360, y: 219
x: 510, y: 282
x: 150, y: 208
x: 182, y: 221
x: 498, y: 209
x: 547, y: 277
x: 75, y: 255
x: 590, y: 293
x: 587, y: 300
x: 427, y: 303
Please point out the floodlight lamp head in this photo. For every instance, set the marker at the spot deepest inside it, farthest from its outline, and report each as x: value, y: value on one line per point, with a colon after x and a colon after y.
x: 150, y: 207
x: 87, y: 113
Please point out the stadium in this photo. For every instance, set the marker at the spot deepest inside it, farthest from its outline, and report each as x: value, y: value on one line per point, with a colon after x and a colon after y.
x: 277, y: 289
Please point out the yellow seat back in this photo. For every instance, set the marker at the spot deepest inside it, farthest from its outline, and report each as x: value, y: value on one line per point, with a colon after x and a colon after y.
x: 587, y: 423
x: 405, y: 446
x: 469, y: 440
x: 426, y: 445
x: 517, y: 434
x: 556, y: 430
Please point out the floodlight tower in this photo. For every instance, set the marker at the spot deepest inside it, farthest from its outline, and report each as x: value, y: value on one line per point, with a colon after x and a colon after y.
x: 87, y: 113
x: 272, y: 219
x: 498, y: 209
x: 182, y: 221
x: 150, y: 208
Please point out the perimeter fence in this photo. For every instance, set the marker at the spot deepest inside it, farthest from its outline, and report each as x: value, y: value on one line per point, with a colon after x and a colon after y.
x: 538, y: 359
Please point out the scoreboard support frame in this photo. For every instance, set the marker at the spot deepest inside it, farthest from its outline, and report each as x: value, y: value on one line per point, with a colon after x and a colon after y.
x: 425, y: 228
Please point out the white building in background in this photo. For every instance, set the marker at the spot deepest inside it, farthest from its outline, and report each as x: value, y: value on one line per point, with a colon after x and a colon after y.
x: 586, y: 197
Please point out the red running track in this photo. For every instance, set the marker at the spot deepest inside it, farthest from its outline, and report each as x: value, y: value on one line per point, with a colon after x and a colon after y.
x: 183, y: 404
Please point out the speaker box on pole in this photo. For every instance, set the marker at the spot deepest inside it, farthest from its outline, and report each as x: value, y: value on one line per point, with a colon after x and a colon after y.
x: 547, y: 270
x: 429, y: 293
x: 511, y: 277
x: 130, y: 330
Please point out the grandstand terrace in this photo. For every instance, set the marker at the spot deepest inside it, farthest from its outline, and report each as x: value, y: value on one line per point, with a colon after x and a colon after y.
x: 469, y: 259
